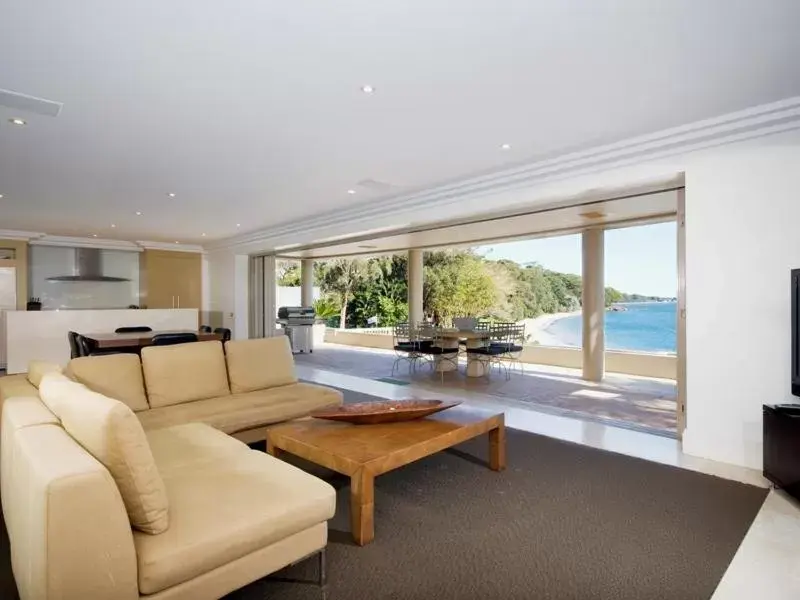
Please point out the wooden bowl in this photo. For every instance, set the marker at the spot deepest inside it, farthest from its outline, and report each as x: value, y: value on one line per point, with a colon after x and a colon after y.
x: 389, y: 411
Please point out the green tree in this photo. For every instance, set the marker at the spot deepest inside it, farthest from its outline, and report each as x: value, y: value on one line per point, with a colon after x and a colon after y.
x: 613, y: 296
x: 456, y: 282
x: 327, y: 307
x: 288, y: 273
x: 341, y: 277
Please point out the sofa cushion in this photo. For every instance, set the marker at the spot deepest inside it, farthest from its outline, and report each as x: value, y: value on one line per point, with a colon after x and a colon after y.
x: 12, y: 386
x: 239, y: 412
x: 191, y: 443
x: 184, y: 372
x: 110, y: 432
x: 260, y: 363
x: 225, y: 509
x: 38, y: 368
x: 117, y: 376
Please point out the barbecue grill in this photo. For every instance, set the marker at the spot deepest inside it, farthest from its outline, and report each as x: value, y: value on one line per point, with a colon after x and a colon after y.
x: 296, y: 322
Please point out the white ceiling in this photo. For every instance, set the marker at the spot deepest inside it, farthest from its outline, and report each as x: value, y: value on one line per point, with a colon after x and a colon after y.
x: 251, y: 112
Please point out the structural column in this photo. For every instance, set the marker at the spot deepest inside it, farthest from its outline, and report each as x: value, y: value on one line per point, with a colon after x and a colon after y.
x: 415, y: 314
x: 307, y: 282
x: 594, y: 305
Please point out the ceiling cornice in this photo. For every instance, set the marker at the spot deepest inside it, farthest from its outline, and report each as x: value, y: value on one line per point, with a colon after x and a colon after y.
x: 170, y: 247
x: 81, y: 242
x: 759, y: 121
x: 24, y: 236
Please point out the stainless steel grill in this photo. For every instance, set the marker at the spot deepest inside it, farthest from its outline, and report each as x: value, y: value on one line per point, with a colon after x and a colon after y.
x: 296, y: 322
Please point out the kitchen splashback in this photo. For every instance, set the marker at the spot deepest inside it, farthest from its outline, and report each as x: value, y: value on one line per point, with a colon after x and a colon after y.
x: 47, y: 262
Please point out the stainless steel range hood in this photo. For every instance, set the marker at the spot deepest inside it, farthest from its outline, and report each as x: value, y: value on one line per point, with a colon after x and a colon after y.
x: 88, y: 267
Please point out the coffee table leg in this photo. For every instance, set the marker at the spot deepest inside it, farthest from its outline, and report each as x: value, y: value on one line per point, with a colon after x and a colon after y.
x: 362, y: 507
x: 497, y: 448
x: 273, y: 450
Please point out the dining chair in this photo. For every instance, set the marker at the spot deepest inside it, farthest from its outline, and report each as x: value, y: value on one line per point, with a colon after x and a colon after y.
x: 205, y: 329
x: 135, y: 329
x: 169, y: 339
x: 224, y: 332
x: 511, y: 346
x: 74, y: 346
x: 406, y: 346
x: 88, y: 347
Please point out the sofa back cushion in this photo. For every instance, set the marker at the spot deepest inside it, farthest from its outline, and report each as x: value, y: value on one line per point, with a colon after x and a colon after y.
x: 260, y: 363
x: 56, y: 388
x: 117, y: 376
x: 38, y: 368
x: 184, y: 373
x: 110, y: 432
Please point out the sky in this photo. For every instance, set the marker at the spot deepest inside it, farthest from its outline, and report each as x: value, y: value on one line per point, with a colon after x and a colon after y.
x: 638, y: 260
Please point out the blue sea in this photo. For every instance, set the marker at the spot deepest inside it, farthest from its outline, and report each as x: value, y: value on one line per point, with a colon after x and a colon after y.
x: 644, y: 327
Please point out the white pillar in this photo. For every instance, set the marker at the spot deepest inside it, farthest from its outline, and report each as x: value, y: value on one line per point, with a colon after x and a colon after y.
x: 415, y: 314
x: 594, y: 305
x: 307, y: 282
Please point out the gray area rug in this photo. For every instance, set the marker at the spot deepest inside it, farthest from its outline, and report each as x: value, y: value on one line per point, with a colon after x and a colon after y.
x: 563, y: 522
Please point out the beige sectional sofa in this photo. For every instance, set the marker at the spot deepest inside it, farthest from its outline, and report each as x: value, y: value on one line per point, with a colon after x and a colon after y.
x: 100, y: 504
x: 240, y: 391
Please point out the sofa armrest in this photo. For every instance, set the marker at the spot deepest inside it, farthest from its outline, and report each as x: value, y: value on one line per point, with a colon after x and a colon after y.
x: 69, y: 532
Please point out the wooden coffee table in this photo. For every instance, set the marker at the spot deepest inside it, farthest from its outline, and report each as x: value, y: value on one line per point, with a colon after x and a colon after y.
x: 365, y: 451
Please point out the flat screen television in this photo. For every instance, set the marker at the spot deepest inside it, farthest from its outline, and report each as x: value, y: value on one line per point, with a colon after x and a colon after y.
x: 795, y: 332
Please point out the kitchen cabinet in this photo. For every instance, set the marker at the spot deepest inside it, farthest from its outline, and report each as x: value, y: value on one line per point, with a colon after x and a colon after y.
x: 170, y: 279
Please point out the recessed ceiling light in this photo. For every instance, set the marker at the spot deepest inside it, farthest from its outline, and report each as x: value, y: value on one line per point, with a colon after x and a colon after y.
x: 202, y: 235
x: 238, y: 224
x: 138, y: 213
x: 18, y: 122
x: 1, y: 195
x: 367, y: 89
x: 505, y: 147
x: 177, y: 242
x: 94, y: 235
x: 171, y: 194
x: 351, y: 192
x: 112, y: 226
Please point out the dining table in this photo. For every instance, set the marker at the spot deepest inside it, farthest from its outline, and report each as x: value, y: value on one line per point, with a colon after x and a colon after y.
x: 477, y: 364
x: 138, y: 339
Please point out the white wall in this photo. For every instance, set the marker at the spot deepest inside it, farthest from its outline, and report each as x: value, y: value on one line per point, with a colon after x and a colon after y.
x: 742, y: 239
x: 228, y: 291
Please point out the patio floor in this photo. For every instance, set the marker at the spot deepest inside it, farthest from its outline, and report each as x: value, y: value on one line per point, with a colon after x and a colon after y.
x: 633, y: 402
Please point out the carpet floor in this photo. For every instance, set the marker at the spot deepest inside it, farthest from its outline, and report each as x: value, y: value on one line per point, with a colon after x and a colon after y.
x: 563, y: 522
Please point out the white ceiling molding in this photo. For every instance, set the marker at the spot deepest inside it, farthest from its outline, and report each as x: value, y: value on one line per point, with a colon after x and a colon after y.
x: 759, y: 121
x: 24, y: 236
x: 80, y: 242
x: 170, y: 247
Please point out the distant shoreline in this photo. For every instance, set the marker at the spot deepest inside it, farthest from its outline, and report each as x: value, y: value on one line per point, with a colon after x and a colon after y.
x: 535, y: 328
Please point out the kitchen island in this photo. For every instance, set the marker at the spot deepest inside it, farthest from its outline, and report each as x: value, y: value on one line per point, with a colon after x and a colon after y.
x: 42, y: 335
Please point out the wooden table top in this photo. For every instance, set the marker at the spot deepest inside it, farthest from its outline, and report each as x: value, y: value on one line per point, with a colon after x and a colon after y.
x: 346, y: 448
x: 140, y: 338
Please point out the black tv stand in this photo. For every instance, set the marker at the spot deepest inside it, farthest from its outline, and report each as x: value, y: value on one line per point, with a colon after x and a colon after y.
x: 782, y: 447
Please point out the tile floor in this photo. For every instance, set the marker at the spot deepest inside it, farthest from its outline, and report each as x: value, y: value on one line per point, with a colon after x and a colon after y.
x: 640, y: 403
x: 767, y: 564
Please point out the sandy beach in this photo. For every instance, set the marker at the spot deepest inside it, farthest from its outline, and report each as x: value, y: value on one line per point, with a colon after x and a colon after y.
x: 535, y: 328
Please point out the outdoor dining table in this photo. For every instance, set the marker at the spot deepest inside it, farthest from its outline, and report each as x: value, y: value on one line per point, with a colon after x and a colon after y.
x: 477, y: 365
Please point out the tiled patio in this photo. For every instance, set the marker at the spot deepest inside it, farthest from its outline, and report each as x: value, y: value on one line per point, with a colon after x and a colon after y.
x: 634, y: 402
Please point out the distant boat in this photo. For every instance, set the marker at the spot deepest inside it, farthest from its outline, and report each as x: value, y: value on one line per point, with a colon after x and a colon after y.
x: 617, y: 308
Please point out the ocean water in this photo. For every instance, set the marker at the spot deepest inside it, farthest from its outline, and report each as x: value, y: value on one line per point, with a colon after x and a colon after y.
x: 645, y: 327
